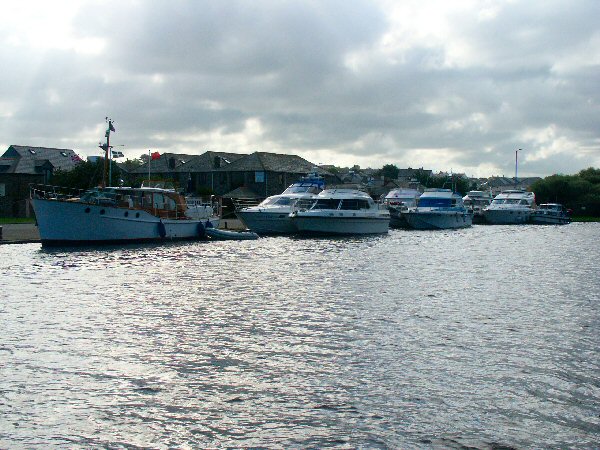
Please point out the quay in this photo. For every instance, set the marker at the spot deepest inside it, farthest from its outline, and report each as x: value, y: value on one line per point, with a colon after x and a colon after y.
x: 24, y: 233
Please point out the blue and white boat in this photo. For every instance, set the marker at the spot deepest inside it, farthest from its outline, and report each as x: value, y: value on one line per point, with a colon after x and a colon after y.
x: 116, y: 215
x: 272, y: 215
x: 439, y: 209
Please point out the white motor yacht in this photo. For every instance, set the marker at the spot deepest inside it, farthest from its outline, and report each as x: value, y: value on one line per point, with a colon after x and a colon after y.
x: 550, y: 214
x: 476, y: 201
x: 272, y: 215
x: 399, y: 201
x: 439, y: 209
x: 513, y: 206
x: 342, y: 211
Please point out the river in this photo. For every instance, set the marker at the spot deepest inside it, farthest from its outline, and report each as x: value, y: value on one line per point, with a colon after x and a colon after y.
x: 487, y: 337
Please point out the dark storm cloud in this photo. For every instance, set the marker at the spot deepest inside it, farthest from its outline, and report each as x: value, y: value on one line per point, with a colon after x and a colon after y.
x: 320, y: 78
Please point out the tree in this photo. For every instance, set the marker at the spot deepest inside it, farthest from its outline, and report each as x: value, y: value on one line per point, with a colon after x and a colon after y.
x: 580, y: 192
x: 85, y: 175
x: 389, y: 171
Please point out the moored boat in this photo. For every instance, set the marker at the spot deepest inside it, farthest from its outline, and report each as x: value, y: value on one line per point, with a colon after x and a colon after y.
x: 475, y: 202
x: 398, y: 201
x: 550, y: 214
x: 342, y: 212
x: 115, y: 215
x: 272, y: 215
x: 230, y: 235
x: 439, y: 209
x: 510, y: 207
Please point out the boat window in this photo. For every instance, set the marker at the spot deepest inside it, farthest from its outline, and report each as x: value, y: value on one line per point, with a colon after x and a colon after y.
x: 434, y: 202
x: 350, y: 203
x: 498, y: 201
x: 363, y: 204
x: 170, y: 203
x: 524, y: 202
x: 326, y: 203
x: 283, y: 201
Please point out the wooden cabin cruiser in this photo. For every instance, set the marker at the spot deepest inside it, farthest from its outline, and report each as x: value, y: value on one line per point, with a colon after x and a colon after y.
x: 399, y: 201
x: 510, y: 207
x: 475, y: 202
x: 550, y: 214
x: 272, y: 215
x: 343, y: 212
x: 116, y: 215
x: 439, y: 209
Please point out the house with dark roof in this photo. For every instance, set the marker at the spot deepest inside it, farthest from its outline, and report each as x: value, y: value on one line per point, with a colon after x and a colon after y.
x: 22, y: 165
x: 191, y: 173
x: 265, y: 173
x: 221, y: 173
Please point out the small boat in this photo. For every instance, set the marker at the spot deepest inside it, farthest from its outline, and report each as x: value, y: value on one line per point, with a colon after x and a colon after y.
x: 342, y: 212
x: 398, y: 201
x: 439, y: 209
x: 230, y: 235
x: 510, y: 207
x: 476, y: 201
x: 272, y: 215
x: 550, y: 214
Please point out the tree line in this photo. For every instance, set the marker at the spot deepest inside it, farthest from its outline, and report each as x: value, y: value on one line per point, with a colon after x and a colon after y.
x: 579, y: 192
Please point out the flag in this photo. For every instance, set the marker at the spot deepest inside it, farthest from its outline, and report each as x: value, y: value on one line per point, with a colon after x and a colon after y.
x: 117, y: 154
x: 155, y: 155
x: 76, y: 158
x: 110, y: 126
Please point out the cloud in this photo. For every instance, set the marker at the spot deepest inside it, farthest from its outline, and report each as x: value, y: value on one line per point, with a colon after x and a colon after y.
x: 446, y: 85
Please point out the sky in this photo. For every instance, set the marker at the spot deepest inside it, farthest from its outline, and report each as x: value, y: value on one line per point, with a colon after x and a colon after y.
x: 445, y: 85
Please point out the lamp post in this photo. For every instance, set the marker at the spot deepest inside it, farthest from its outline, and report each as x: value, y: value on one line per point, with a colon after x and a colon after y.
x: 517, y: 165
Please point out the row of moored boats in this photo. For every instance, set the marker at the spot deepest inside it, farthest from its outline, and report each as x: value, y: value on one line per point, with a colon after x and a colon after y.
x: 307, y: 207
x: 125, y: 214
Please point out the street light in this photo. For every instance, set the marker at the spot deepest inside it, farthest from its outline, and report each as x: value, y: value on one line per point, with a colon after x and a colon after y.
x: 517, y: 164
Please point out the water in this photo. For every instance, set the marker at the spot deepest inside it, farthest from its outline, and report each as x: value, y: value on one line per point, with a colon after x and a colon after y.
x: 486, y: 337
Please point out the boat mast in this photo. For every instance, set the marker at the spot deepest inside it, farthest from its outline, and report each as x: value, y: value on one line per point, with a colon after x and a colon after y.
x: 106, y: 148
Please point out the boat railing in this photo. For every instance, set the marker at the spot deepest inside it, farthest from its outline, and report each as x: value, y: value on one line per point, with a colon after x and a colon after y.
x: 46, y: 191
x: 241, y: 203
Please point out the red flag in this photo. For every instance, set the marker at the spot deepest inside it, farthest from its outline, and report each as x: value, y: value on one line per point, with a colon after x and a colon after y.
x: 155, y: 155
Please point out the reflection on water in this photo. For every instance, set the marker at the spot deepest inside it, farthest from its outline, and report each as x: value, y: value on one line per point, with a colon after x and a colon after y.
x: 478, y: 337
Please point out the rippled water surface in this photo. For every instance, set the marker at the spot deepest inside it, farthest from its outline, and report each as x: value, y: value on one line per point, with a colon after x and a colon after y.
x: 485, y: 337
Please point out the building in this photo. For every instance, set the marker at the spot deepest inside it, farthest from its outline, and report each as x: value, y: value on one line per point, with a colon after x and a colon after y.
x: 21, y: 166
x: 220, y: 173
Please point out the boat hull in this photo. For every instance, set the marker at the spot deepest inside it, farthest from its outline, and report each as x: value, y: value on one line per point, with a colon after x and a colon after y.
x: 507, y: 216
x: 336, y: 225
x: 230, y: 235
x: 75, y: 223
x: 262, y: 222
x: 397, y: 219
x: 438, y: 220
x: 549, y: 219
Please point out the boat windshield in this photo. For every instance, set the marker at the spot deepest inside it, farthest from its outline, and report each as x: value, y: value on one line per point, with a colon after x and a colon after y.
x: 301, y: 189
x: 498, y: 201
x: 277, y: 201
x: 435, y: 202
x: 326, y: 203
